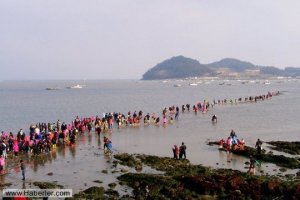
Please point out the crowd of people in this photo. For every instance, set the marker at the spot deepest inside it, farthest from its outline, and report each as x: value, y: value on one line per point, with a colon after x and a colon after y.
x: 232, y: 142
x: 44, y: 137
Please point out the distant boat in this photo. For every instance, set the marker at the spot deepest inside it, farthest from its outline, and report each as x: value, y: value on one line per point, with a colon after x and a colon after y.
x: 193, y: 84
x: 52, y: 88
x: 267, y: 82
x: 75, y: 87
x: 177, y: 85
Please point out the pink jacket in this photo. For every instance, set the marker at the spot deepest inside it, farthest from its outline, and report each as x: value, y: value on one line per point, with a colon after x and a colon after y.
x: 2, y: 161
x: 16, y: 146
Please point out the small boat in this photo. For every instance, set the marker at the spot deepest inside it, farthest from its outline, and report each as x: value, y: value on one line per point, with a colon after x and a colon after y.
x: 177, y: 85
x: 267, y: 82
x: 75, y: 87
x: 52, y: 88
x: 193, y: 84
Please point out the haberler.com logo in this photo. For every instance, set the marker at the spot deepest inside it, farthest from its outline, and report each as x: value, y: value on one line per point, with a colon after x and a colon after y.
x: 59, y: 193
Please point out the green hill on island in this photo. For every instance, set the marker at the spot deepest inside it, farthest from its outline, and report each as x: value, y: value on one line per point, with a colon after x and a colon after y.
x: 232, y: 64
x: 183, y: 67
x: 177, y: 67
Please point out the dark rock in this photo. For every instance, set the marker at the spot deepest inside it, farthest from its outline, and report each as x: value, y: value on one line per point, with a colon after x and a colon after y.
x: 97, y: 181
x: 112, y: 193
x: 112, y: 185
x: 290, y: 176
x: 124, y: 170
x: 139, y: 167
x: 282, y: 169
x: 94, y: 190
x: 47, y: 185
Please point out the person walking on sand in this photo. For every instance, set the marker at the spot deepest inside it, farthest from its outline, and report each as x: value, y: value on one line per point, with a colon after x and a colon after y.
x: 23, y: 169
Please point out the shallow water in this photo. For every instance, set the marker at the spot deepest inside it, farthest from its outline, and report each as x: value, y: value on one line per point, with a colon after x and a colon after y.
x: 25, y: 102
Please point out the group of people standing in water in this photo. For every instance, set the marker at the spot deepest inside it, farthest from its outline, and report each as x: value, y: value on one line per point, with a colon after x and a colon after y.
x: 44, y: 137
x: 232, y: 143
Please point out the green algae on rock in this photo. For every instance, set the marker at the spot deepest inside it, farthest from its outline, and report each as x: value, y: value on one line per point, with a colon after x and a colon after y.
x: 90, y: 193
x: 95, y: 192
x: 287, y: 147
x: 280, y: 160
x: 182, y: 180
x: 47, y: 185
x: 127, y: 160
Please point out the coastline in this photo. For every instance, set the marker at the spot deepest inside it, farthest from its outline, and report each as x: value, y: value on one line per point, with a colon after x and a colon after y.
x: 68, y: 148
x: 166, y: 177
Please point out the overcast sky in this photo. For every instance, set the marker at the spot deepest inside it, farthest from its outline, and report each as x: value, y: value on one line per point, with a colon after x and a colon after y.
x: 122, y: 39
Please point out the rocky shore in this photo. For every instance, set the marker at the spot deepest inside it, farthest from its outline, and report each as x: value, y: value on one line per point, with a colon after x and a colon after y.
x: 179, y: 179
x: 280, y: 160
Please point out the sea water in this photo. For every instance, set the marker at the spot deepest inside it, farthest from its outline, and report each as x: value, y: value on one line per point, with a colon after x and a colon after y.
x: 23, y: 103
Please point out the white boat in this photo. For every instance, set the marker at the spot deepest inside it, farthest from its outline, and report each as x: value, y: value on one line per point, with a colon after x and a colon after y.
x: 193, y: 84
x: 75, y: 87
x: 267, y: 82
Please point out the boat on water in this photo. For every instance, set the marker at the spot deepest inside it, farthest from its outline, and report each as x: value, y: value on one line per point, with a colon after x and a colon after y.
x: 50, y: 88
x: 193, y: 84
x: 177, y: 85
x: 75, y: 87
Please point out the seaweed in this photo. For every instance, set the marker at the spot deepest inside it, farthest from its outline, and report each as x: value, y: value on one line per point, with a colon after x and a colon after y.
x: 182, y: 180
x: 292, y: 148
x: 280, y: 160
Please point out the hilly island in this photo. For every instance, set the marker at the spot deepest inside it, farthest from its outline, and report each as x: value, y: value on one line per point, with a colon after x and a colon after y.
x: 183, y: 67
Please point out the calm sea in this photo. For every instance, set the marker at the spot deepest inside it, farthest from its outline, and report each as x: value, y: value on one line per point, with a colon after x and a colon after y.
x: 26, y: 102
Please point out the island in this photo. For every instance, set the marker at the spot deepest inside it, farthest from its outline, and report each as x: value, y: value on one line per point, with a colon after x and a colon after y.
x: 179, y: 67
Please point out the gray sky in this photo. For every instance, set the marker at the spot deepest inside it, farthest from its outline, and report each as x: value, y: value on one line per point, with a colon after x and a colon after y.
x: 122, y: 39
